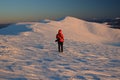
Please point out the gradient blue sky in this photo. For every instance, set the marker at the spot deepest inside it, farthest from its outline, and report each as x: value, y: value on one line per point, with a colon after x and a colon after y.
x: 30, y: 10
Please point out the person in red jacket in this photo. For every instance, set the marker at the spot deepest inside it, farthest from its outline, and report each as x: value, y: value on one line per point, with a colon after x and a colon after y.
x: 60, y: 40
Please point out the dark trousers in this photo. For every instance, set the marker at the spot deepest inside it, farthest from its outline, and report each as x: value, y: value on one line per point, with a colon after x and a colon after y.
x: 60, y: 46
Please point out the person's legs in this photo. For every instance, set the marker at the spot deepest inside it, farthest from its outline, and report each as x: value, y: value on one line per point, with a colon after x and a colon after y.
x: 61, y: 44
x: 59, y: 47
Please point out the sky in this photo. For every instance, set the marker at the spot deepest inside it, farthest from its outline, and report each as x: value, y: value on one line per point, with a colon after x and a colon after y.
x: 32, y: 10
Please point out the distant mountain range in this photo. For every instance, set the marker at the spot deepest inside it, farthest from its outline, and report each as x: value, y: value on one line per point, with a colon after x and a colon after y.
x: 115, y: 23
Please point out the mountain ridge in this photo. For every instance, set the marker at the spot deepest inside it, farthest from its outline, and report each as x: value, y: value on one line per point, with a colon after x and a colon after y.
x: 73, y: 28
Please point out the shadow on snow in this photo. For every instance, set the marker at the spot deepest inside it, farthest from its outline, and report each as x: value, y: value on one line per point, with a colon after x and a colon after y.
x: 14, y: 29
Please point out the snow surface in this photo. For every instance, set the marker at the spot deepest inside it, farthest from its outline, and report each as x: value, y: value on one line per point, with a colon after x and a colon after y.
x: 28, y: 51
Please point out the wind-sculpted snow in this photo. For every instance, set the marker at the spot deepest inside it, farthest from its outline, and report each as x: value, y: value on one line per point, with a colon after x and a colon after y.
x: 91, y: 51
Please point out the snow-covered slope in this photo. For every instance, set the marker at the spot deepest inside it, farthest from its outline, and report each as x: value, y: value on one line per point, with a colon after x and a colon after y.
x: 28, y: 51
x: 81, y: 30
x: 73, y: 28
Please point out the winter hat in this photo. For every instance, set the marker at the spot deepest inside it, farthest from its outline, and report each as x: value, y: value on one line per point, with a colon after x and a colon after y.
x: 59, y: 31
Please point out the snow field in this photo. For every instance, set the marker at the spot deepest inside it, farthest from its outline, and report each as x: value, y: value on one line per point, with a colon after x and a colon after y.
x: 30, y: 52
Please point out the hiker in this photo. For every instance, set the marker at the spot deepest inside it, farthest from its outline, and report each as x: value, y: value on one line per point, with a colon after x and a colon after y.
x: 60, y: 40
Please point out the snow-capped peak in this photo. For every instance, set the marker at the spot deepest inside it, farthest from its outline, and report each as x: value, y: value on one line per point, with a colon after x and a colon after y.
x: 71, y: 19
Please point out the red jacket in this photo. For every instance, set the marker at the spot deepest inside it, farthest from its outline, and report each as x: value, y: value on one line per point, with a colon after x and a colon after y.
x: 60, y: 36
